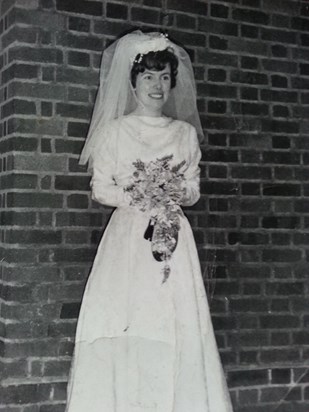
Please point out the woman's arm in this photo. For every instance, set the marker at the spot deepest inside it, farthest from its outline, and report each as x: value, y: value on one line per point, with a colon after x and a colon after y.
x: 192, y: 173
x: 103, y: 185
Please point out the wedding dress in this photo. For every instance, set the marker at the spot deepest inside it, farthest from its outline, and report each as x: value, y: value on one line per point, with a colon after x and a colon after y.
x: 143, y: 345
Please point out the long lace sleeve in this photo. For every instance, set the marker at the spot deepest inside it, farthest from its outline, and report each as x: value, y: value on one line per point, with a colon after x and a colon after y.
x: 192, y: 173
x: 104, y: 188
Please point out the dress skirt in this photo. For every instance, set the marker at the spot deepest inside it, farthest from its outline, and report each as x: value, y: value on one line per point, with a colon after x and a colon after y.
x: 144, y: 345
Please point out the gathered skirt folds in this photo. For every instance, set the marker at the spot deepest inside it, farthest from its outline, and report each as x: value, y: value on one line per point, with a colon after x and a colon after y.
x: 143, y: 345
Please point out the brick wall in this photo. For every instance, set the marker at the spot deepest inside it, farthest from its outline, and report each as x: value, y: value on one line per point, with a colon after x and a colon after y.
x: 251, y: 59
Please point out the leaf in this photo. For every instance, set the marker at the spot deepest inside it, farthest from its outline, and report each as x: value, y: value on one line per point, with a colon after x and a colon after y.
x: 139, y: 165
x: 176, y: 168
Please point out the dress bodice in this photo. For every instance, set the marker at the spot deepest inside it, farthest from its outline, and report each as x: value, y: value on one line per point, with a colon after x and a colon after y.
x: 130, y: 138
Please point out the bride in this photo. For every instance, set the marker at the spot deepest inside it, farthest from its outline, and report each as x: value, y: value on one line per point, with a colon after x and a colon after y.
x: 144, y: 340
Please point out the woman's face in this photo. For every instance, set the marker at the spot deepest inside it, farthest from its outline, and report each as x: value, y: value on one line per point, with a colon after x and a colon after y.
x: 152, y: 90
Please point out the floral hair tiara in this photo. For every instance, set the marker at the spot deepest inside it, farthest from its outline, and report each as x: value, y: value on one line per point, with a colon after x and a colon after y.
x: 154, y: 43
x: 139, y: 58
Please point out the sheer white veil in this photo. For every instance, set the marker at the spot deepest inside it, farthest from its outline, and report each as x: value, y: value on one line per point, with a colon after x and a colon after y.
x: 116, y: 97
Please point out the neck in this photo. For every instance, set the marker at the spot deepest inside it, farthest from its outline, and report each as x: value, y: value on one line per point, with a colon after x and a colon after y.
x: 148, y: 113
x: 142, y: 110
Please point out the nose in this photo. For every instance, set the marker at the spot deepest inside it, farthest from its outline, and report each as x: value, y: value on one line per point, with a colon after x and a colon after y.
x: 158, y: 84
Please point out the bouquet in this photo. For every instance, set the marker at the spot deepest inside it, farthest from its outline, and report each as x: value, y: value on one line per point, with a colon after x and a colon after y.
x: 157, y: 187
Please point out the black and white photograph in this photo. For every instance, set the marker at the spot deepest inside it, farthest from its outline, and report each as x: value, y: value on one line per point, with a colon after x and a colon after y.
x: 154, y: 215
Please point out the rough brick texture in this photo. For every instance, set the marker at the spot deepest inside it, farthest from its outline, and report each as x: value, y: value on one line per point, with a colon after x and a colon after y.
x: 251, y: 60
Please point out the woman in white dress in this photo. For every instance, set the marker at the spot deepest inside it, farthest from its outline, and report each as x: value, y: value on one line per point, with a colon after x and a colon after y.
x: 144, y: 341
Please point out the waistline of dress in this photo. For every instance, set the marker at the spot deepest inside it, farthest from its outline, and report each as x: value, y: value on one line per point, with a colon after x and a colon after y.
x: 134, y: 211
x: 131, y: 210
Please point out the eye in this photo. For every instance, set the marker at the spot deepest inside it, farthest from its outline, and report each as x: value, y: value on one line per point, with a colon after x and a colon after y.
x: 166, y: 77
x: 147, y: 76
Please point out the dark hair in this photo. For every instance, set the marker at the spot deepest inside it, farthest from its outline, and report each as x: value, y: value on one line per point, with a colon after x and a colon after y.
x: 157, y: 60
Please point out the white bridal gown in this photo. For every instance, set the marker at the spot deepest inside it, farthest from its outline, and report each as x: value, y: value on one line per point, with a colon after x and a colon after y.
x: 143, y: 345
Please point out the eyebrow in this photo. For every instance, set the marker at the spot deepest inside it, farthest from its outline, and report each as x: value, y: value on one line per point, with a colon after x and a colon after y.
x: 155, y: 71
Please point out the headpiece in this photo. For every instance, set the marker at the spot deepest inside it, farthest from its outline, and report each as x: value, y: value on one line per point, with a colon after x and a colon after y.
x: 116, y: 96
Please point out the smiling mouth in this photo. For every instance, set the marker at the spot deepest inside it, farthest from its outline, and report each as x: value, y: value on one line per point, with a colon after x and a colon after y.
x: 156, y: 96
